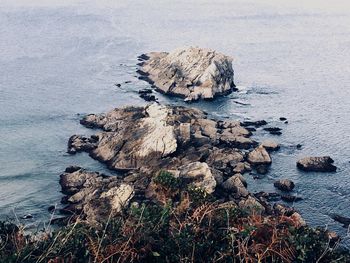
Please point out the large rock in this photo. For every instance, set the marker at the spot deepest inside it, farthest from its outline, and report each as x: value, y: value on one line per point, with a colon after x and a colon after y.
x: 193, y: 73
x: 259, y: 156
x: 94, y: 196
x: 199, y: 174
x: 317, y: 164
x: 236, y: 185
x: 251, y: 205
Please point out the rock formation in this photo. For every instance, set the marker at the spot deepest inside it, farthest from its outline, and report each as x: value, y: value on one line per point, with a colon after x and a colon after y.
x: 193, y: 73
x: 94, y: 196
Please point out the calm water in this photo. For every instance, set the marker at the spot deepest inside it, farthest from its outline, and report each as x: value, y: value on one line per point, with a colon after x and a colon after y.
x: 61, y: 60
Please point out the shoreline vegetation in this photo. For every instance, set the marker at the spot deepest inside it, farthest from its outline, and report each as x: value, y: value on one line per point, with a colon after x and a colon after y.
x: 181, y: 195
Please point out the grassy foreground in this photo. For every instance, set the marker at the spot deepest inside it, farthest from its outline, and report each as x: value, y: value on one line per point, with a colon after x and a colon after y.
x: 184, y: 226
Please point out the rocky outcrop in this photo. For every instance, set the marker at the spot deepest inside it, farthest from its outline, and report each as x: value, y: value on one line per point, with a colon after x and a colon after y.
x: 94, y: 196
x: 317, y: 164
x: 193, y: 73
x: 162, y: 136
x: 284, y: 184
x: 143, y: 141
x: 259, y: 156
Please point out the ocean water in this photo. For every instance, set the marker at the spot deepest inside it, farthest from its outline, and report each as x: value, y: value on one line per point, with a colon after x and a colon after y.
x: 62, y: 59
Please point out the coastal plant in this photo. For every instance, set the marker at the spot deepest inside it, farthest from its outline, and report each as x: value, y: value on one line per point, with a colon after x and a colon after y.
x: 183, y: 230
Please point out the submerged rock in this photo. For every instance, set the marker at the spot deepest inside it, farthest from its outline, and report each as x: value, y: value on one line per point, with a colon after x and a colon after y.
x: 262, y: 169
x: 291, y: 198
x: 317, y: 164
x: 193, y: 73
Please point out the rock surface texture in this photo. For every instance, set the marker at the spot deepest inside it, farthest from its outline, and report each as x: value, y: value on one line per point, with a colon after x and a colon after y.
x: 317, y: 164
x: 92, y: 195
x: 193, y: 73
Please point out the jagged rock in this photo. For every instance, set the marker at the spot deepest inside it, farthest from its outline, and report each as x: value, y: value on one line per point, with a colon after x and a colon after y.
x: 251, y: 205
x: 94, y: 196
x: 236, y: 185
x: 192, y: 73
x: 270, y: 145
x: 218, y: 175
x: 224, y: 159
x: 200, y: 174
x: 259, y: 156
x: 317, y: 164
x: 78, y: 143
x: 236, y: 141
x: 241, y: 167
x: 284, y: 184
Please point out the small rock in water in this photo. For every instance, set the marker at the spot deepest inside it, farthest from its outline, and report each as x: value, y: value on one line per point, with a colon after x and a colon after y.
x: 341, y: 219
x: 145, y: 91
x: 118, y: 85
x: 272, y: 129
x: 254, y: 123
x: 283, y: 118
x: 128, y: 81
x: 284, y: 184
x: 28, y: 216
x: 299, y: 146
x: 286, y: 122
x: 317, y: 164
x: 148, y: 97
